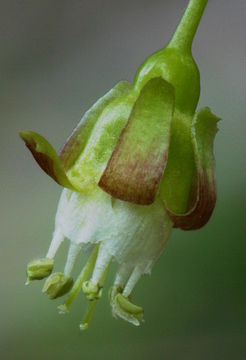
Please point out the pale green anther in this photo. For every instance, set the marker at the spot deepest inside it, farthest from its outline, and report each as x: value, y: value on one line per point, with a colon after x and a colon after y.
x: 122, y: 307
x: 39, y: 269
x: 92, y: 291
x: 128, y: 307
x: 57, y: 285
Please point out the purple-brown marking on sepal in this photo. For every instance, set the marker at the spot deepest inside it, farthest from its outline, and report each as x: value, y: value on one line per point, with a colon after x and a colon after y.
x: 46, y: 157
x: 70, y: 150
x: 137, y: 163
x: 203, y: 190
x: 43, y: 160
x: 134, y: 181
x: 201, y: 212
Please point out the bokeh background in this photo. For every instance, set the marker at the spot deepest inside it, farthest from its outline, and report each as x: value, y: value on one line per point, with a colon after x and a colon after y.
x: 57, y: 57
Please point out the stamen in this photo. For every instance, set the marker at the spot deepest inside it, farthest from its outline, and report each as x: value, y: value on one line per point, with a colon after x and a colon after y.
x: 85, y: 323
x: 122, y: 307
x: 55, y: 243
x: 87, y: 269
x: 135, y: 276
x: 127, y: 310
x: 122, y: 275
x: 101, y: 267
x: 93, y: 288
x: 73, y: 253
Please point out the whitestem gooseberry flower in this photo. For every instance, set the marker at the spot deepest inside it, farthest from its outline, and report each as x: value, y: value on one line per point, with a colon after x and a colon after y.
x: 139, y: 163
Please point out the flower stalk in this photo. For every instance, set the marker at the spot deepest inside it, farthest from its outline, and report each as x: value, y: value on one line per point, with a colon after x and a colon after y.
x: 186, y: 30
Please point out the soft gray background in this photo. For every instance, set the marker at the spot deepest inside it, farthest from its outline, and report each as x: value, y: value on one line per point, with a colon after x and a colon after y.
x: 57, y: 57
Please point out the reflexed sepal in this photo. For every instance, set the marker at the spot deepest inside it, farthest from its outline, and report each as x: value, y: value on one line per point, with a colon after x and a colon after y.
x: 203, y: 190
x: 46, y: 157
x: 57, y: 285
x: 39, y: 269
x: 136, y: 166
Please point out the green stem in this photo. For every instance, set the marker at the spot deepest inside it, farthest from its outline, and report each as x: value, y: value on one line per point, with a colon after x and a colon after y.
x: 186, y: 30
x: 85, y: 323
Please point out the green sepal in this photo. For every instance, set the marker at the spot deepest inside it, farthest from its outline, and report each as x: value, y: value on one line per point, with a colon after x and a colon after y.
x: 89, y: 166
x: 175, y: 64
x: 202, y: 197
x: 136, y: 166
x: 178, y: 68
x: 179, y: 172
x: 46, y: 157
x: 77, y: 141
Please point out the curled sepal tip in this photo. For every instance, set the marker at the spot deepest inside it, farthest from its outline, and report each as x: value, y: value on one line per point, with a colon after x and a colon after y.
x: 136, y: 166
x: 46, y: 157
x: 203, y: 190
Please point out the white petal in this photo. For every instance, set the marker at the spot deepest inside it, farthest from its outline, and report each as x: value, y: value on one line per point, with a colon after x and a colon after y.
x: 131, y: 234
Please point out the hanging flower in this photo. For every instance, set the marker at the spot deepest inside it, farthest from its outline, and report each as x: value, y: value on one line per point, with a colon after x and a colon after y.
x: 139, y: 163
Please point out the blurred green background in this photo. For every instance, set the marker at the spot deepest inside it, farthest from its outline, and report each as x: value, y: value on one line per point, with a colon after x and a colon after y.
x: 57, y: 58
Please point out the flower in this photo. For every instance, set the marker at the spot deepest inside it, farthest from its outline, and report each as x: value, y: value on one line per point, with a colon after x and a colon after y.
x: 139, y: 163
